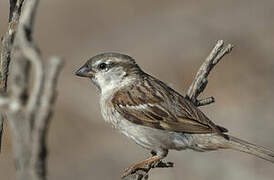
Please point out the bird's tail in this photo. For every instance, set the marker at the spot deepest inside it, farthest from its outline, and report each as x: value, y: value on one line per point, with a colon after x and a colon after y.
x: 244, y: 146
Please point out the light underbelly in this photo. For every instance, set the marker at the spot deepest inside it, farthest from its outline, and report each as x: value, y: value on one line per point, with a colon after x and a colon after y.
x: 147, y: 137
x: 153, y: 139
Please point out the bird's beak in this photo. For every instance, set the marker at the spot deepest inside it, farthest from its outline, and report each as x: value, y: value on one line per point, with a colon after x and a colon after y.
x: 84, y: 71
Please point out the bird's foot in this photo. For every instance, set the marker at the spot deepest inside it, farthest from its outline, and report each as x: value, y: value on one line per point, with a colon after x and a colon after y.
x: 141, y: 165
x: 162, y: 164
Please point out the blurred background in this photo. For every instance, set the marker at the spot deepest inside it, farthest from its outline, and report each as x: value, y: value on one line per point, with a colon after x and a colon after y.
x: 168, y: 39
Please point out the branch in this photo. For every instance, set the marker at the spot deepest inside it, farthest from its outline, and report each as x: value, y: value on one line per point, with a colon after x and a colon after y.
x: 44, y: 113
x: 138, y: 175
x: 7, y: 45
x: 7, y: 42
x: 30, y: 110
x: 30, y: 51
x: 196, y: 88
x: 200, y: 81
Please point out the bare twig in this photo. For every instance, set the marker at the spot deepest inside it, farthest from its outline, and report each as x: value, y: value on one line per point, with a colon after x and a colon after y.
x: 205, y: 101
x: 29, y: 111
x: 7, y: 41
x: 7, y: 44
x: 138, y: 175
x: 30, y: 51
x: 200, y: 81
x: 196, y: 88
x: 44, y: 113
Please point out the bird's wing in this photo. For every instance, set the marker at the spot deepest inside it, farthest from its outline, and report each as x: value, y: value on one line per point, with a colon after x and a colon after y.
x: 152, y: 103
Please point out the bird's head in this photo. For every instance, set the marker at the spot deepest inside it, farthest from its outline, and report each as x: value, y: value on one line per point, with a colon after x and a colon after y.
x: 109, y: 70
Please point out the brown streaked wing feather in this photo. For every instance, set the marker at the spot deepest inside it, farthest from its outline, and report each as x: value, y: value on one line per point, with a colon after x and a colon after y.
x: 145, y: 104
x: 184, y: 108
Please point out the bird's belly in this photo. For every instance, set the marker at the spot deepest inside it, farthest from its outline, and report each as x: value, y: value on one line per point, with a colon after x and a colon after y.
x: 147, y: 137
x: 153, y: 139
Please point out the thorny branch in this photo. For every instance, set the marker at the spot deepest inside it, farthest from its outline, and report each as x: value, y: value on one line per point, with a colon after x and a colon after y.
x: 196, y: 88
x: 29, y: 104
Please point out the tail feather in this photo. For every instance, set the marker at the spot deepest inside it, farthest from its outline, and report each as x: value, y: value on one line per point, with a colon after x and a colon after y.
x: 244, y: 146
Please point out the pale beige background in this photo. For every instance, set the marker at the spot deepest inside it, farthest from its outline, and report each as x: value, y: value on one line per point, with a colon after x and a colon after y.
x: 169, y: 39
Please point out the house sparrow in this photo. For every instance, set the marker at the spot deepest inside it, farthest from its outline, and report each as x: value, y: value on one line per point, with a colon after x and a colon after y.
x: 154, y: 115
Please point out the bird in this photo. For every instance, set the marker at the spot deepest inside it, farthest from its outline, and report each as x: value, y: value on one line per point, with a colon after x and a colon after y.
x: 154, y: 115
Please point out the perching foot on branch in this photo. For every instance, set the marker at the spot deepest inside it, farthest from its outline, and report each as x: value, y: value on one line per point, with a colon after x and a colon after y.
x: 142, y: 172
x: 153, y: 162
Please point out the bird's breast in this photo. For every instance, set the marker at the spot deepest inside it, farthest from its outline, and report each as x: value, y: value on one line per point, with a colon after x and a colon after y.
x: 108, y: 111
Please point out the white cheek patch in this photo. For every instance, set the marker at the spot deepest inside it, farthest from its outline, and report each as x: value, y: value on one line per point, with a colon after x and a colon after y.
x: 111, y: 79
x: 101, y: 80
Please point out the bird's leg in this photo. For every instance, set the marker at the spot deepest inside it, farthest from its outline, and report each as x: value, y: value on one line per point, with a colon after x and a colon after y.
x: 151, y: 161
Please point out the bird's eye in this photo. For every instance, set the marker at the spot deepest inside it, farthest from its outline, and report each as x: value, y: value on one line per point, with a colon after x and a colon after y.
x: 102, y: 66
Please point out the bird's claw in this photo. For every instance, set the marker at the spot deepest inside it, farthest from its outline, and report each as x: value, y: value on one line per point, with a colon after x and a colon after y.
x: 162, y: 164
